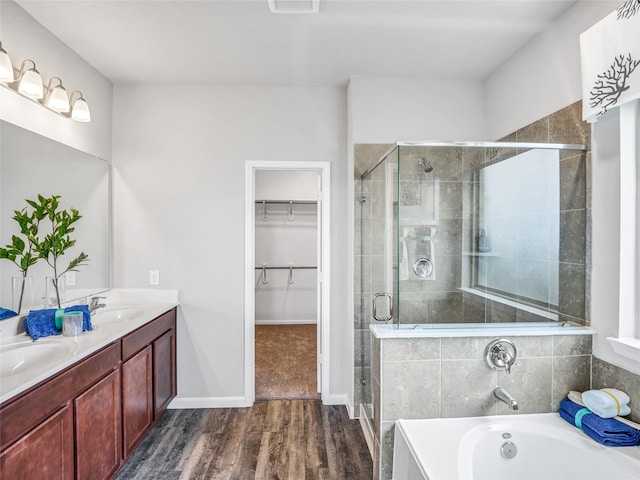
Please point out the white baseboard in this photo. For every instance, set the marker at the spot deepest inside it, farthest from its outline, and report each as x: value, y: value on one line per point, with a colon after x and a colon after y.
x: 337, y: 399
x: 286, y: 322
x: 239, y: 402
x: 208, y: 402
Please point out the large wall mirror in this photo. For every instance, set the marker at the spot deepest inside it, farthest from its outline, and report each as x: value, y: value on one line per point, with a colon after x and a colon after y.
x: 31, y: 164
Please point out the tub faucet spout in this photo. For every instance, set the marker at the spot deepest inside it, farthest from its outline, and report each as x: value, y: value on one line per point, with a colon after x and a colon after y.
x: 505, y: 397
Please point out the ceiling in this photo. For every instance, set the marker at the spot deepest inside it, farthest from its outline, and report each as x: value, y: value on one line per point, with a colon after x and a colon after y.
x: 240, y: 42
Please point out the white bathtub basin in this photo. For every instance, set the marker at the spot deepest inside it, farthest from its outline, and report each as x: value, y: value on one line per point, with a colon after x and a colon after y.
x: 548, y: 448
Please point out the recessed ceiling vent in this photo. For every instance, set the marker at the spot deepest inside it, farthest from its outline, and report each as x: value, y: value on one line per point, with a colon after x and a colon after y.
x: 294, y: 6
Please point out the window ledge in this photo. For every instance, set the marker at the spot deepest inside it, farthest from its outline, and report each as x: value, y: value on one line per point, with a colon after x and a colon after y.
x: 626, y: 347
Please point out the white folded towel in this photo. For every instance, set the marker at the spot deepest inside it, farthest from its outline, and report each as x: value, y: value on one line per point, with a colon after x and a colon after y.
x: 607, y: 403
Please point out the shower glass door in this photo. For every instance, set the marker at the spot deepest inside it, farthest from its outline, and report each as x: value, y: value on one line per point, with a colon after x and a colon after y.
x: 383, y: 247
x: 378, y: 283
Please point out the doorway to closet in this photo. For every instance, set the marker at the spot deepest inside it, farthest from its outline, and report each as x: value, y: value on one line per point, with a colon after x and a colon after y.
x: 286, y: 314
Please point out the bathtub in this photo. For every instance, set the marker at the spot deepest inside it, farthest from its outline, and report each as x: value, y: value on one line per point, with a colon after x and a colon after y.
x: 546, y: 448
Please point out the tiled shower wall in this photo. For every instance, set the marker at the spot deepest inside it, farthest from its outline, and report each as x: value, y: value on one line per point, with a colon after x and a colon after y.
x: 441, y: 301
x: 449, y: 377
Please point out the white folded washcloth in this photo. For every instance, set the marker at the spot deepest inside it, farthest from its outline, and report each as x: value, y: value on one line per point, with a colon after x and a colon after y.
x: 607, y: 403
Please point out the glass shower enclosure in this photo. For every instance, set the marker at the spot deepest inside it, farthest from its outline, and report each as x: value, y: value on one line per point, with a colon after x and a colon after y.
x: 474, y: 232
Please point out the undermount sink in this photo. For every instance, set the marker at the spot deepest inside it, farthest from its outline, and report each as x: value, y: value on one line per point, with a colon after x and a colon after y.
x: 22, y: 356
x: 115, y: 315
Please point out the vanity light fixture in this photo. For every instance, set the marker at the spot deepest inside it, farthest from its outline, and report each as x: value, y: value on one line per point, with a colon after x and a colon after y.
x: 6, y: 67
x: 80, y: 108
x: 57, y: 98
x: 28, y: 82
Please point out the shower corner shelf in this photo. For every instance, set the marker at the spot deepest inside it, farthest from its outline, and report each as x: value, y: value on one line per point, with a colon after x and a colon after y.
x: 481, y: 254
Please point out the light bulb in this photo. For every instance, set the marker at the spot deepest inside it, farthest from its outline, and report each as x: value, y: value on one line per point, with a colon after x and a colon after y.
x: 58, y: 99
x: 80, y: 110
x: 31, y: 84
x: 6, y: 67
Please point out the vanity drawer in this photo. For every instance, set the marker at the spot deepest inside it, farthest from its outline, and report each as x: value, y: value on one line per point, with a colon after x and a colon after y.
x: 28, y: 410
x: 145, y: 335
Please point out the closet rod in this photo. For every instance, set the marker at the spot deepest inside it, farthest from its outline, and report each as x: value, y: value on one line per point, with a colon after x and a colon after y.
x: 286, y: 268
x: 287, y: 202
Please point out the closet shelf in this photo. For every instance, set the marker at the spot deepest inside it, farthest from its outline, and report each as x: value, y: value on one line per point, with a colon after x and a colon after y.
x: 287, y: 202
x: 291, y: 268
x: 291, y: 203
x: 285, y: 268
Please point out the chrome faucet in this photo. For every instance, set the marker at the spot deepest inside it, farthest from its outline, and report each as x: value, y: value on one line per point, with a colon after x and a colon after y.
x: 505, y: 397
x: 94, y: 304
x: 501, y: 354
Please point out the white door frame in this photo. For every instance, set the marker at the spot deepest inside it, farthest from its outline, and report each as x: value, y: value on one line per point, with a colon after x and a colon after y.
x: 323, y: 168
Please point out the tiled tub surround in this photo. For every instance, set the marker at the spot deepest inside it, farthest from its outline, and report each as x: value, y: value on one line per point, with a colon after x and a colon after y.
x: 448, y: 377
x: 434, y: 302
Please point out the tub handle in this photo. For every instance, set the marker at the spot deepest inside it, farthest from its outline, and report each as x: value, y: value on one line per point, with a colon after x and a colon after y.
x: 501, y: 354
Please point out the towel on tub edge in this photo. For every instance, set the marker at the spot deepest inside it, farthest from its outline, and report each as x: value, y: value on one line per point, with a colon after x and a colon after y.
x: 606, y: 431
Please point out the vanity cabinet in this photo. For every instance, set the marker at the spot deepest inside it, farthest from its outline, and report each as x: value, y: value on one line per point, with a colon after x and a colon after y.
x: 164, y: 372
x: 148, y: 377
x: 83, y: 422
x: 37, y: 434
x: 97, y: 413
x: 137, y: 403
x: 46, y: 453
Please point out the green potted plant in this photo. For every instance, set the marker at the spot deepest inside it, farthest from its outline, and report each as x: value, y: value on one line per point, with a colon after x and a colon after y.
x: 21, y: 252
x: 57, y: 241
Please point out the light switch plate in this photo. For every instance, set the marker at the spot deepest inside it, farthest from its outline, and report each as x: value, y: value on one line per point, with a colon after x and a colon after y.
x: 70, y: 278
x: 154, y: 277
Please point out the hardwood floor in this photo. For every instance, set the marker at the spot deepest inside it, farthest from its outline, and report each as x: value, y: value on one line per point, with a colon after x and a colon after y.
x: 276, y: 439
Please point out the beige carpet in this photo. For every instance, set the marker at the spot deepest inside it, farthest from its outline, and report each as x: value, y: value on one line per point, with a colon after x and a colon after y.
x: 286, y: 362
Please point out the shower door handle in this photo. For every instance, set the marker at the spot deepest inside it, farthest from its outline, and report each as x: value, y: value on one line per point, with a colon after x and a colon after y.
x: 375, y: 308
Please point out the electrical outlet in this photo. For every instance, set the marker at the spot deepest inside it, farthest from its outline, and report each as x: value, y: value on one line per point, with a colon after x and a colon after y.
x: 154, y: 277
x: 70, y: 279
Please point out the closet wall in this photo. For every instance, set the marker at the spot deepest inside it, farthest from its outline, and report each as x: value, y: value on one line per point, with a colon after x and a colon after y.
x: 285, y: 237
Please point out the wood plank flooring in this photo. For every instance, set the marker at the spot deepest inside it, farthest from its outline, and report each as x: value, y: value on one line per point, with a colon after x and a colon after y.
x: 276, y: 440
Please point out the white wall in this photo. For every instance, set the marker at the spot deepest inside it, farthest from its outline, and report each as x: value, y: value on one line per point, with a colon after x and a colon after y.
x: 542, y: 78
x: 387, y: 110
x: 179, y: 153
x: 22, y: 37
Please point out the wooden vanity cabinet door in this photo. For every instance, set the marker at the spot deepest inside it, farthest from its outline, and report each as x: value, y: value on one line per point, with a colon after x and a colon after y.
x: 98, y: 434
x: 46, y: 453
x: 164, y: 372
x: 137, y: 399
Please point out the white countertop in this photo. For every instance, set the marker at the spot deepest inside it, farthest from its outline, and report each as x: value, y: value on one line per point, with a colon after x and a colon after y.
x: 444, y: 330
x: 146, y: 304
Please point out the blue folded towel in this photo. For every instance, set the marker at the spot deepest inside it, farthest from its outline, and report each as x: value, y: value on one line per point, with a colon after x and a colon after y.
x: 6, y: 313
x: 42, y: 323
x: 606, y: 431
